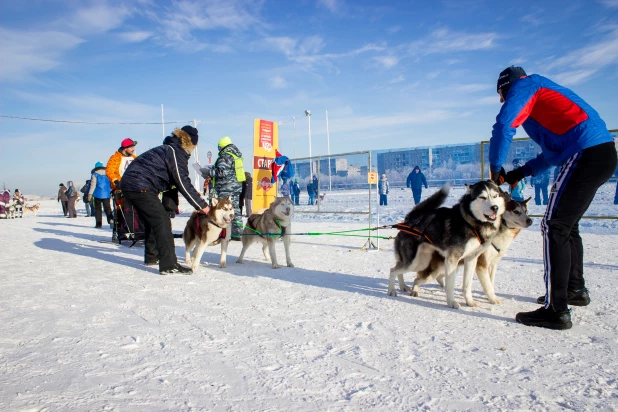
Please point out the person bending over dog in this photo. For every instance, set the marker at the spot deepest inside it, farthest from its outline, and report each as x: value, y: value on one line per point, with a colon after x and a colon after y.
x: 154, y: 172
x: 573, y: 137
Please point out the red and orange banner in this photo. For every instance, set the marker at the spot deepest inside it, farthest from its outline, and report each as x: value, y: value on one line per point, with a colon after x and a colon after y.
x: 265, y: 144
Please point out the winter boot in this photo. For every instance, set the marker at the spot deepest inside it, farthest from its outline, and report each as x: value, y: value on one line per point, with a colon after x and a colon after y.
x: 575, y: 298
x: 177, y: 269
x: 546, y: 318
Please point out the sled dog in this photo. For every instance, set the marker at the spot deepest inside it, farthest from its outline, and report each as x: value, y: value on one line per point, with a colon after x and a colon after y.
x: 210, y: 229
x: 266, y: 228
x: 514, y: 219
x: 461, y: 232
x: 31, y: 209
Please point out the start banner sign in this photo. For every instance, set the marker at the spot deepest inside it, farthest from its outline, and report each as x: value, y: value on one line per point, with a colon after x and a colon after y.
x: 265, y: 143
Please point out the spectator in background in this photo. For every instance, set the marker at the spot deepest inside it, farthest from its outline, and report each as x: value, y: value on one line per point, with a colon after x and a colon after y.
x: 88, y: 204
x: 248, y: 185
x: 5, y: 200
x: 100, y: 189
x: 284, y: 188
x: 119, y: 161
x: 383, y: 188
x: 228, y: 174
x: 310, y: 192
x: 616, y: 195
x: 316, y: 187
x: 540, y: 183
x: 207, y: 187
x: 62, y: 198
x: 295, y: 192
x: 416, y: 180
x: 72, y: 197
x: 517, y: 190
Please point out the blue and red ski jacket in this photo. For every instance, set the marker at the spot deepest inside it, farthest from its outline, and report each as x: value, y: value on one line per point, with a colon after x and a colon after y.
x: 554, y: 117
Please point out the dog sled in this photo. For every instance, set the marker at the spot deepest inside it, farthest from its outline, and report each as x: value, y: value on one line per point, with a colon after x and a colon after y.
x: 127, y: 225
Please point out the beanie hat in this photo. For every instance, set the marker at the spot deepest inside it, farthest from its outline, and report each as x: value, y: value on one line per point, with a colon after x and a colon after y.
x: 225, y: 141
x: 61, y: 184
x: 191, y: 131
x: 98, y: 164
x: 126, y: 143
x: 507, y: 77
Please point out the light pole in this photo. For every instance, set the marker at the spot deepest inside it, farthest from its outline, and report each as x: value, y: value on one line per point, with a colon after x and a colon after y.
x: 308, y: 114
x: 330, y: 180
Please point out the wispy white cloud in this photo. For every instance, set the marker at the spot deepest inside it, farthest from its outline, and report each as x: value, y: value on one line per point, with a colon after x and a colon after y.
x: 583, y: 63
x: 135, y: 36
x: 470, y: 88
x: 609, y: 3
x: 447, y: 41
x: 356, y: 123
x: 387, y: 62
x: 277, y: 82
x: 398, y: 79
x: 98, y: 18
x: 332, y: 5
x: 393, y: 29
x: 181, y: 19
x: 517, y: 62
x: 27, y: 53
x: 95, y: 107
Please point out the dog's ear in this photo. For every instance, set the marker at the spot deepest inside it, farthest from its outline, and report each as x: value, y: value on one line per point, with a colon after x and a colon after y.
x: 214, y: 202
x: 229, y: 197
x: 525, y: 202
x: 468, y: 188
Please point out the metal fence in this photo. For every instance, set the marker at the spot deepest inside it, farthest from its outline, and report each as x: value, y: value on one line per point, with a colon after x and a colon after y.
x: 485, y: 173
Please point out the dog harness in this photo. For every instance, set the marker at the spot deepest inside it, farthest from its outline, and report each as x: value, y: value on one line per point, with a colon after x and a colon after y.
x: 199, y: 231
x: 281, y: 234
x: 410, y: 230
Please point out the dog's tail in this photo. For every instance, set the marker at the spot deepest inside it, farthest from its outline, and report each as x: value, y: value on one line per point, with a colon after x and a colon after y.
x: 430, y: 204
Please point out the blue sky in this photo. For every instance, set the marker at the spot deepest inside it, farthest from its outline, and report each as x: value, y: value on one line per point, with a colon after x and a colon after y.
x: 390, y: 74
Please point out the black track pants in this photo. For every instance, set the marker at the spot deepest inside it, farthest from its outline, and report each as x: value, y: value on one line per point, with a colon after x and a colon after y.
x: 563, y: 253
x: 159, y: 236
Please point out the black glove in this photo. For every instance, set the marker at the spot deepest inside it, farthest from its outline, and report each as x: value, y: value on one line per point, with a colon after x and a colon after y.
x: 117, y: 195
x: 514, y: 176
x: 499, y: 176
x: 117, y: 184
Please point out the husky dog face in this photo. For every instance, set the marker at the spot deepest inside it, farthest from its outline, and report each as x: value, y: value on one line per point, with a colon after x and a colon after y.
x: 487, y: 201
x: 282, y: 207
x: 516, y: 214
x: 223, y: 211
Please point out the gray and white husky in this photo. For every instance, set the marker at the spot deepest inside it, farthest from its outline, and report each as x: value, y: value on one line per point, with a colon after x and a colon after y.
x: 514, y: 219
x: 459, y: 233
x: 266, y: 228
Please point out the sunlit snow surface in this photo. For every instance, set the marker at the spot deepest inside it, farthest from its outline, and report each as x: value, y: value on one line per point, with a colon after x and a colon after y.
x: 85, y: 326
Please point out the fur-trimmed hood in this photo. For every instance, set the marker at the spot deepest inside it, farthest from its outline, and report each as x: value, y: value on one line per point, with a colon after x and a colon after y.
x: 182, y: 137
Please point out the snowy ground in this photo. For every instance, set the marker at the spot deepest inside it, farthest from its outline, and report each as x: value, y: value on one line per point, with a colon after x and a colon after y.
x: 84, y: 326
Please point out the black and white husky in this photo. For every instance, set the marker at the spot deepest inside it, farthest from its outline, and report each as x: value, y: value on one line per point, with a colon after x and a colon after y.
x: 514, y: 219
x: 461, y: 232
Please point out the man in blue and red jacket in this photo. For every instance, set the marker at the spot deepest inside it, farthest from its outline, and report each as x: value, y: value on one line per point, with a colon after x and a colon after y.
x: 574, y: 138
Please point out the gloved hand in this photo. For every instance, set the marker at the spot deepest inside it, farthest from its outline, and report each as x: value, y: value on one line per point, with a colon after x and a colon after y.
x: 499, y: 176
x: 514, y: 176
x: 117, y: 195
x: 204, y: 211
x: 116, y: 183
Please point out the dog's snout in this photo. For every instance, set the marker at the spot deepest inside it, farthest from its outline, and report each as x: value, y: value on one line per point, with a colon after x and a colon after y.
x: 528, y: 221
x: 494, y: 208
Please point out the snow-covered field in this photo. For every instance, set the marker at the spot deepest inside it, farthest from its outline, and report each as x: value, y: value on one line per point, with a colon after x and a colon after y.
x: 84, y: 326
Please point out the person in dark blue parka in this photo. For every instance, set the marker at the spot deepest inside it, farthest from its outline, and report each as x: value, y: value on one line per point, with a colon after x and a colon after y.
x: 416, y: 180
x: 572, y: 136
x: 154, y: 172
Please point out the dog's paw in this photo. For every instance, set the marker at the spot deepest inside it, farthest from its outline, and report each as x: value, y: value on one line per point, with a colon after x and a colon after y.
x: 239, y: 261
x: 188, y: 262
x: 276, y: 266
x: 495, y: 300
x: 392, y: 293
x: 290, y: 264
x: 414, y: 293
x: 453, y: 305
x: 223, y: 264
x: 472, y: 303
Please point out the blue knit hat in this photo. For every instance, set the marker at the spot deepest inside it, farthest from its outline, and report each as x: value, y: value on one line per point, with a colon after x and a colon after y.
x: 98, y: 164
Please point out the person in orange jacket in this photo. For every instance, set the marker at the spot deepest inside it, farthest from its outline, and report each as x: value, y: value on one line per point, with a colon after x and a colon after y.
x: 118, y: 163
